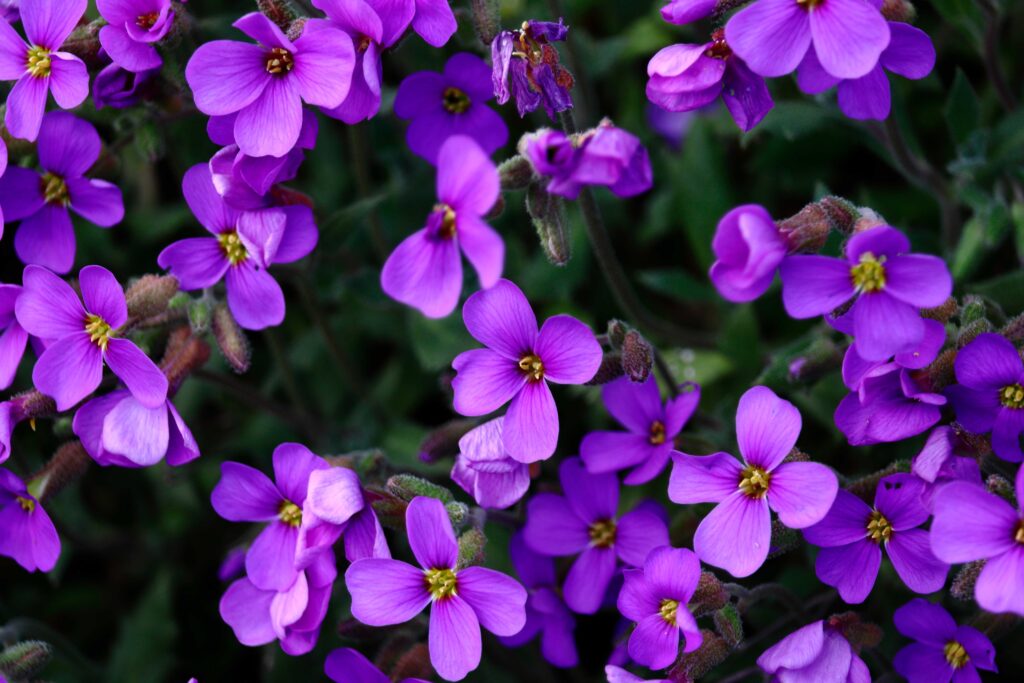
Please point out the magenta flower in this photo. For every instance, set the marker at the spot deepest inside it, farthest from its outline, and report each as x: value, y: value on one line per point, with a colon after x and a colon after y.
x: 12, y: 338
x: 525, y: 65
x: 943, y: 651
x: 245, y: 243
x: 517, y: 365
x: 386, y: 592
x: 336, y: 504
x: 584, y: 521
x: 853, y: 534
x: 267, y: 83
x: 39, y: 67
x: 888, y: 285
x: 772, y: 36
x: 736, y: 534
x: 816, y: 653
x: 748, y: 250
x: 346, y: 665
x: 989, y: 396
x: 681, y: 12
x: 434, y: 21
x: 485, y: 471
x: 133, y: 26
x: 972, y: 524
x: 942, y: 461
x: 29, y: 537
x: 118, y: 88
x: 652, y: 429
x: 453, y: 102
x: 68, y: 147
x: 82, y: 339
x: 425, y: 270
x: 655, y: 597
x: 616, y: 674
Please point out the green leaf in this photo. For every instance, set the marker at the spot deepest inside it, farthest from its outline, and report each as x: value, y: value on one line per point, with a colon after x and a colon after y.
x: 144, y: 649
x: 698, y: 365
x: 701, y: 187
x: 437, y: 341
x: 677, y: 284
x: 963, y: 113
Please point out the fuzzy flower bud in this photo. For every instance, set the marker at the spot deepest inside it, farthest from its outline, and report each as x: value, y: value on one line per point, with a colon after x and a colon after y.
x: 860, y: 634
x: 409, y: 486
x: 231, y: 340
x: 609, y: 370
x: 709, y: 596
x: 695, y: 665
x: 972, y: 309
x: 962, y: 586
x: 1002, y: 487
x: 970, y: 332
x: 443, y: 442
x: 84, y: 43
x: 281, y: 12
x: 69, y: 462
x: 549, y: 218
x: 899, y: 10
x: 25, y: 659
x: 516, y: 173
x: 729, y: 625
x: 637, y: 357
x: 471, y: 548
x: 184, y: 354
x: 150, y: 295
x: 942, y: 313
x: 486, y: 19
x: 1014, y: 330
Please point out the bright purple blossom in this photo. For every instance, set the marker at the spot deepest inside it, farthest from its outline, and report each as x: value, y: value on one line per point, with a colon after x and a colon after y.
x: 83, y: 339
x: 133, y: 26
x: 434, y: 21
x: 68, y: 147
x: 584, y: 521
x: 386, y: 592
x: 656, y: 597
x: 652, y: 429
x: 748, y: 250
x: 816, y: 653
x: 989, y: 396
x: 943, y: 651
x: 681, y: 12
x: 772, y: 36
x: 425, y: 270
x: 29, y: 537
x: 449, y: 103
x: 266, y: 84
x: 736, y: 535
x: 12, y: 337
x: 485, y: 471
x: 517, y: 365
x: 346, y: 665
x: 525, y: 66
x: 972, y: 524
x: 9, y: 10
x: 942, y: 460
x: 118, y: 88
x: 853, y: 534
x: 39, y: 67
x: 887, y: 283
x: 616, y: 674
x: 244, y: 244
x: 336, y: 504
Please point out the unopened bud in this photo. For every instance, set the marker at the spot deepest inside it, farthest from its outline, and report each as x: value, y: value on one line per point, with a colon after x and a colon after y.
x: 486, y: 19
x: 821, y: 357
x: 280, y: 12
x: 868, y: 219
x: 230, y: 338
x: 497, y: 209
x: 443, y: 442
x: 729, y: 625
x: 609, y: 370
x: 942, y: 313
x: 970, y: 444
x: 971, y: 310
x: 69, y: 462
x: 472, y: 543
x: 1002, y: 487
x: 150, y: 295
x: 709, y: 596
x: 1014, y: 330
x: 294, y: 31
x: 84, y: 42
x: 552, y: 224
x: 962, y: 587
x: 899, y: 10
x: 969, y: 333
x: 697, y: 664
x: 184, y: 354
x: 941, y: 372
x: 617, y: 333
x: 516, y: 173
x: 859, y: 633
x: 783, y: 540
x: 25, y: 659
x: 807, y: 230
x: 199, y: 313
x: 457, y: 513
x: 409, y: 486
x: 637, y: 357
x: 390, y: 510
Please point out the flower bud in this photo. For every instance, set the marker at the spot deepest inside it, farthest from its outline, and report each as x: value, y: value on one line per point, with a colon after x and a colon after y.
x: 1014, y: 330
x: 231, y: 340
x: 497, y: 209
x: 729, y: 625
x: 443, y: 442
x: 25, y: 659
x: 637, y: 356
x: 281, y: 12
x: 69, y: 462
x: 457, y: 513
x: 409, y: 486
x: 472, y: 543
x: 552, y: 223
x: 294, y: 31
x: 1002, y: 487
x: 942, y: 313
x: 609, y: 370
x: 150, y: 295
x: 84, y: 42
x: 695, y: 665
x: 940, y: 372
x: 868, y: 219
x: 783, y: 539
x: 199, y: 313
x: 859, y: 633
x: 709, y: 596
x: 971, y: 310
x: 806, y: 231
x: 486, y: 19
x: 617, y: 333
x: 962, y: 586
x: 970, y: 332
x: 516, y: 173
x: 184, y: 354
x: 822, y: 357
x: 899, y: 10
x: 390, y: 510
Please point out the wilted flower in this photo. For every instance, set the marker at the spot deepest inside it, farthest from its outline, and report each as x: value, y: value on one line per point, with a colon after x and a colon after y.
x: 133, y: 26
x: 29, y: 537
x: 525, y: 65
x: 943, y: 650
x: 816, y: 653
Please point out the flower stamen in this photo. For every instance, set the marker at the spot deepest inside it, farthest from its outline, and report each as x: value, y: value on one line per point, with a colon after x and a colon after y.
x: 869, y: 273
x: 279, y: 61
x: 657, y: 433
x: 98, y: 330
x: 455, y: 101
x: 879, y: 528
x: 956, y: 655
x: 602, y: 533
x: 37, y: 61
x: 668, y: 610
x: 26, y: 504
x: 147, y: 21
x: 231, y: 245
x: 290, y: 514
x: 448, y: 225
x: 55, y: 190
x: 754, y: 481
x: 1012, y: 396
x: 532, y: 365
x: 442, y: 583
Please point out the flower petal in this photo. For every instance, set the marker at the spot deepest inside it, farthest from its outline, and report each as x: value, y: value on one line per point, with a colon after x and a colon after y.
x: 48, y: 308
x: 425, y: 272
x: 735, y: 536
x: 69, y: 370
x: 254, y: 297
x: 568, y: 349
x: 885, y: 326
x: 454, y: 638
x: 226, y: 76
x: 637, y: 534
x: 25, y: 106
x: 483, y: 246
x: 845, y: 523
x: 197, y: 262
x: 270, y: 560
x: 654, y: 643
x: 593, y: 497
x: 103, y: 295
x: 814, y: 285
x: 998, y: 587
x: 703, y: 478
x: 49, y: 23
x: 499, y: 601
x: 912, y: 558
x: 971, y: 524
x: 386, y: 592
x: 990, y: 361
x: 501, y: 318
x: 246, y: 609
x: 531, y: 423
x: 588, y: 580
x: 851, y: 569
x: 467, y: 179
x: 244, y: 494
x: 849, y: 36
x: 802, y: 493
x: 434, y: 21
x: 552, y: 527
x: 47, y: 239
x: 270, y: 125
x: 771, y: 36
x: 767, y: 427
x: 143, y: 378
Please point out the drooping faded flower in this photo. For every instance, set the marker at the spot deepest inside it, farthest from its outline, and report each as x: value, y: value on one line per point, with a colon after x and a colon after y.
x: 943, y: 651
x: 485, y: 471
x: 816, y: 653
x: 133, y: 27
x: 346, y: 665
x: 29, y: 537
x: 526, y: 66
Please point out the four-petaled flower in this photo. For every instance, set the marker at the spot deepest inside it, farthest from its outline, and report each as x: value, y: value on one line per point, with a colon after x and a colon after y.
x: 133, y: 26
x: 816, y: 653
x: 29, y: 537
x: 943, y: 650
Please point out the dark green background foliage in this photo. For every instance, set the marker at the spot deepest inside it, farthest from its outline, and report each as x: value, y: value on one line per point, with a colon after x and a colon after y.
x: 134, y: 596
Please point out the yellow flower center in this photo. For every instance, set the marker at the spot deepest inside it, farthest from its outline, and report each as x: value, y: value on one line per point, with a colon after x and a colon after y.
x: 98, y: 330
x: 455, y: 101
x: 442, y: 583
x: 55, y: 190
x: 869, y: 273
x: 754, y: 481
x: 879, y: 528
x: 657, y: 433
x: 448, y: 226
x: 1019, y: 534
x: 532, y: 365
x: 290, y: 514
x: 37, y: 61
x: 363, y: 44
x: 279, y: 61
x: 27, y: 504
x: 147, y: 21
x: 956, y: 655
x: 1012, y: 396
x: 809, y: 4
x: 231, y: 245
x: 668, y: 610
x: 602, y: 533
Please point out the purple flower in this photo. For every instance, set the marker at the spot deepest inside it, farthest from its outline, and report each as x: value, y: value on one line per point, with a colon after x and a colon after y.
x: 681, y: 12
x: 68, y: 146
x: 972, y: 524
x: 39, y: 66
x: 943, y: 651
x: 12, y: 338
x: 748, y: 250
x: 117, y: 88
x: 386, y: 592
x: 940, y: 462
x: 82, y: 339
x: 517, y: 365
x: 888, y: 285
x: 772, y: 36
x: 616, y: 674
x: 655, y: 597
x: 133, y: 26
x: 336, y: 504
x: 10, y: 10
x: 292, y: 616
x: 652, y: 429
x: 584, y: 521
x: 672, y: 126
x: 485, y: 471
x: 685, y: 77
x: 425, y: 270
x: 736, y: 535
x: 29, y: 537
x: 245, y: 243
x: 989, y: 395
x: 853, y: 534
x: 434, y: 21
x: 232, y: 565
x: 816, y: 653
x: 525, y: 65
x: 910, y: 54
x: 346, y: 665
x: 267, y: 83
x: 546, y: 612
x: 453, y: 102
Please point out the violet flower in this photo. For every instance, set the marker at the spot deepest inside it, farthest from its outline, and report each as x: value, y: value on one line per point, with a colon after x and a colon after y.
x: 525, y: 65
x: 652, y: 429
x: 12, y: 338
x: 941, y: 462
x: 346, y: 665
x: 616, y: 674
x: 887, y: 283
x: 972, y: 524
x: 386, y: 592
x: 266, y: 84
x: 517, y: 365
x: 672, y: 126
x: 336, y: 504
x: 133, y: 26
x: 29, y: 537
x: 772, y: 36
x: 584, y: 521
x: 736, y: 534
x: 83, y: 339
x: 943, y: 651
x: 434, y: 21
x: 118, y: 88
x: 485, y: 471
x: 38, y: 66
x: 244, y: 244
x: 10, y: 10
x: 449, y: 103
x: 68, y: 147
x: 682, y: 12
x: 425, y: 270
x: 853, y: 534
x: 748, y: 249
x: 989, y: 396
x: 816, y: 653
